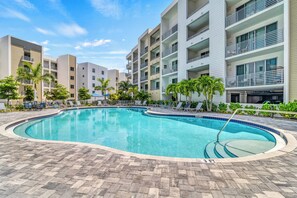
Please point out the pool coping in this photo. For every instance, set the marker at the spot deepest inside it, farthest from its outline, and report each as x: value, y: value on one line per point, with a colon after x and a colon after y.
x: 291, y: 142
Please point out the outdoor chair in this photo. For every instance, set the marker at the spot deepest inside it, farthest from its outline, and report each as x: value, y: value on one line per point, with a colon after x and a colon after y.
x: 70, y: 104
x: 188, y: 105
x: 2, y: 107
x: 144, y: 103
x: 28, y: 105
x: 78, y: 104
x: 178, y: 106
x: 196, y: 109
x: 99, y: 103
x: 137, y: 102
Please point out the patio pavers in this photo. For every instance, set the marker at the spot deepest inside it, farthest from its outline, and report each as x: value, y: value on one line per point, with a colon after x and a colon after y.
x: 36, y: 169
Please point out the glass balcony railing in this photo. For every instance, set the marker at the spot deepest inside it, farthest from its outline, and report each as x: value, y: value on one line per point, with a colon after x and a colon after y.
x: 261, y: 41
x: 169, y: 51
x: 249, y: 10
x: 135, y: 58
x: 170, y: 32
x: 144, y: 51
x: 170, y: 70
x: 154, y: 72
x: 143, y: 78
x: 198, y: 58
x: 135, y: 81
x: 198, y: 33
x: 143, y: 65
x: 273, y: 77
x: 27, y: 59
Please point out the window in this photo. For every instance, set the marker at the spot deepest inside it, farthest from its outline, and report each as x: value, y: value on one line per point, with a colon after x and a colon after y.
x: 93, y: 78
x: 83, y: 68
x: 93, y: 92
x: 93, y: 70
x: 83, y: 84
x: 206, y: 74
x: 271, y: 64
x: 71, y: 86
x: 72, y: 95
x: 102, y: 72
x: 71, y: 68
x: 71, y: 77
x: 204, y: 54
x: 157, y: 85
x: 174, y: 80
x: 102, y: 78
x: 93, y: 85
x: 83, y: 76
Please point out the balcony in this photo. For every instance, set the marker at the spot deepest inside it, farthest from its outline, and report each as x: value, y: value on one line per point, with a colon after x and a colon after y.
x: 135, y: 81
x: 155, y: 88
x: 135, y: 69
x: 155, y: 71
x: 250, y: 10
x: 198, y: 58
x: 170, y: 32
x: 154, y: 41
x: 144, y: 78
x: 262, y: 41
x: 198, y: 7
x: 135, y: 58
x: 143, y: 65
x: 144, y: 51
x: 129, y: 66
x: 46, y: 65
x: 169, y: 51
x: 27, y: 59
x: 273, y: 77
x: 155, y: 56
x: 54, y: 66
x: 170, y: 70
x: 198, y: 33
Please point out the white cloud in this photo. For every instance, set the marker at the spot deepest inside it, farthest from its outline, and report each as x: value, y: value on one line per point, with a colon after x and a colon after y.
x: 77, y: 47
x: 14, y: 14
x: 120, y: 52
x: 45, y: 42
x: 45, y: 49
x: 108, y: 8
x: 25, y: 3
x: 95, y: 43
x: 44, y: 31
x: 71, y: 30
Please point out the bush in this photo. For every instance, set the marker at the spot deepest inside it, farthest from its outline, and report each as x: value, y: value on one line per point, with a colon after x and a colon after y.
x: 234, y: 106
x: 223, y: 108
x: 214, y: 107
x: 291, y: 107
x: 19, y: 107
x: 250, y: 107
x: 267, y: 106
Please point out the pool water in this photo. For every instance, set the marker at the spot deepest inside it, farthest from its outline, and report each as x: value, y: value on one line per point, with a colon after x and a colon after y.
x: 130, y: 129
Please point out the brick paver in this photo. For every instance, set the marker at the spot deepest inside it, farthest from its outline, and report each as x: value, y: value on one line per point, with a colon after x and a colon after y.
x: 35, y: 169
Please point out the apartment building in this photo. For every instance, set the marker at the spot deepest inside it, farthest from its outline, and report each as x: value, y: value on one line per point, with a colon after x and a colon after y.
x: 247, y: 43
x: 88, y: 75
x: 50, y: 65
x: 115, y: 77
x: 14, y: 53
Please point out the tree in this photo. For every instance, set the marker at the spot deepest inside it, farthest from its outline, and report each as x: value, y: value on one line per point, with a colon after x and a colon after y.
x: 209, y: 86
x: 29, y: 93
x: 83, y: 94
x: 34, y: 74
x: 9, y: 88
x: 133, y: 90
x: 172, y: 89
x: 60, y: 92
x: 104, y: 87
x: 143, y: 95
x: 186, y: 88
x: 124, y: 86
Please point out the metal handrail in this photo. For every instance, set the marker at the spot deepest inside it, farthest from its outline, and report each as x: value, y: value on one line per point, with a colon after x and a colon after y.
x: 257, y: 110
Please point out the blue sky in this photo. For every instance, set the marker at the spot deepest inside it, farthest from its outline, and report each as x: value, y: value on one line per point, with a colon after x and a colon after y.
x: 98, y: 31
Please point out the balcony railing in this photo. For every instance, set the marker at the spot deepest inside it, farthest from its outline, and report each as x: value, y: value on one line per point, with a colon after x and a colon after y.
x: 153, y: 57
x: 135, y: 58
x: 273, y: 77
x: 143, y: 78
x: 54, y: 67
x: 170, y: 70
x: 154, y: 72
x: 46, y: 65
x: 143, y: 65
x: 198, y: 58
x: 135, y: 69
x: 250, y: 10
x: 155, y: 88
x: 264, y: 40
x: 27, y: 59
x: 169, y: 51
x: 153, y: 41
x: 199, y: 32
x: 129, y: 65
x: 135, y: 81
x: 198, y: 8
x: 170, y: 32
x: 144, y: 51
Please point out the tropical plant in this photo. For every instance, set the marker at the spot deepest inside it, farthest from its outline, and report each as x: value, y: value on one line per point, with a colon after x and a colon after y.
x: 83, y: 94
x: 143, y: 95
x: 172, y: 89
x: 234, y: 106
x: 250, y: 108
x: 267, y: 106
x: 133, y: 90
x: 209, y: 86
x: 290, y: 107
x: 29, y: 93
x: 9, y: 89
x: 60, y: 92
x: 33, y: 74
x: 187, y: 88
x: 124, y: 86
x: 223, y: 107
x: 104, y: 87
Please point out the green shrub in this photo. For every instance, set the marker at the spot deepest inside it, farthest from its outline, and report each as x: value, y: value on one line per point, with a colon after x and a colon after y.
x: 19, y: 107
x: 234, y: 106
x: 194, y: 104
x: 214, y: 107
x: 250, y: 107
x: 267, y: 106
x: 291, y: 107
x: 223, y: 108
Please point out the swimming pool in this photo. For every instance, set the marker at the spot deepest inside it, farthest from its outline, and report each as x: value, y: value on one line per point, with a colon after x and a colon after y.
x: 132, y: 130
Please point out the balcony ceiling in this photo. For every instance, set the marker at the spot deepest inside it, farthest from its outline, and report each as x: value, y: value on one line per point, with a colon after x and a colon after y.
x: 199, y: 46
x: 199, y: 69
x: 200, y: 22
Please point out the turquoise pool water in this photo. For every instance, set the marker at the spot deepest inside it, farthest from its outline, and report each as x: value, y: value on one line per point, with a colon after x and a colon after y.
x: 132, y: 130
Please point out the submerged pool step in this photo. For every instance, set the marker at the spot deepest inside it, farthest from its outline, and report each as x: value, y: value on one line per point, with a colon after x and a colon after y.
x: 217, y: 150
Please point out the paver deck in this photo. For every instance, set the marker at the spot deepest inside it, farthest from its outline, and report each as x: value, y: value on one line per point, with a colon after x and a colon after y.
x: 36, y: 169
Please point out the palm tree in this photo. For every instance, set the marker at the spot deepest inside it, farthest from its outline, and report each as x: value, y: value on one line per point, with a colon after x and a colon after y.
x: 172, y: 89
x: 143, y: 95
x: 186, y: 88
x: 124, y: 86
x: 209, y: 86
x: 104, y: 87
x: 34, y: 74
x: 133, y: 90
